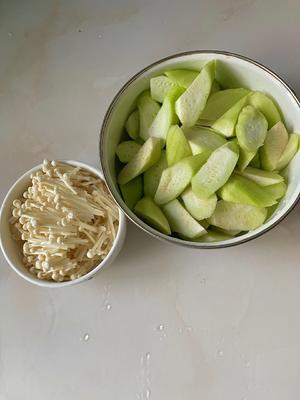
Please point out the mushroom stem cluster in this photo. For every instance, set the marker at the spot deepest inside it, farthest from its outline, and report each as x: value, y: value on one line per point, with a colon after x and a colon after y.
x: 66, y: 220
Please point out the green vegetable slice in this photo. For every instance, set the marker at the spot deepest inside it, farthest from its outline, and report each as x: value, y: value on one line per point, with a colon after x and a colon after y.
x: 213, y: 236
x: 152, y: 175
x: 192, y: 102
x: 147, y: 156
x: 160, y: 87
x: 277, y: 191
x: 202, y: 139
x: 216, y: 171
x: 181, y: 221
x: 239, y: 189
x: 220, y: 102
x: 177, y: 146
x: 176, y: 178
x: 245, y: 158
x: 132, y: 125
x: 204, y: 223
x: 230, y: 232
x: 273, y: 148
x: 289, y: 151
x: 261, y: 177
x: 251, y: 129
x: 127, y: 150
x: 215, y: 87
x: 271, y: 210
x: 149, y: 212
x: 266, y: 106
x: 237, y: 216
x: 132, y: 191
x: 199, y: 208
x: 255, y: 162
x: 227, y: 122
x: 166, y: 115
x: 148, y: 109
x: 182, y: 77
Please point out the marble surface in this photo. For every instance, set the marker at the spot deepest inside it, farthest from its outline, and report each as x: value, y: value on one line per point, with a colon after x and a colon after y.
x: 162, y: 322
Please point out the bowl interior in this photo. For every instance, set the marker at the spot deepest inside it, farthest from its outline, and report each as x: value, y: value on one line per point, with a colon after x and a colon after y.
x: 12, y: 249
x: 231, y: 71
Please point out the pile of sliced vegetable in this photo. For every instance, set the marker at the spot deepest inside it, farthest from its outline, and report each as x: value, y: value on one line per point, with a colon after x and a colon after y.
x: 202, y: 163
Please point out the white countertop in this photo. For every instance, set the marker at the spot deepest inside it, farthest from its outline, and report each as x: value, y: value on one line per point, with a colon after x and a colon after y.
x: 162, y: 322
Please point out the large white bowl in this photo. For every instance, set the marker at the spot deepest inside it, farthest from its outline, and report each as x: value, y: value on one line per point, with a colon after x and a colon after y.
x: 12, y: 249
x: 233, y: 68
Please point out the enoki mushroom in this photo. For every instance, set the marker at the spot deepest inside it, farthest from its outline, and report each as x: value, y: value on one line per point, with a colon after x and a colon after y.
x: 66, y: 220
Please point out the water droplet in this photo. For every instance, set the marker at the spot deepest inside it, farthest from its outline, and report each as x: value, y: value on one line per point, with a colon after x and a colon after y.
x: 85, y: 337
x: 108, y: 307
x: 99, y: 36
x: 188, y: 329
x: 147, y: 393
x: 10, y: 34
x: 147, y: 356
x: 220, y: 353
x: 160, y: 328
x: 247, y: 364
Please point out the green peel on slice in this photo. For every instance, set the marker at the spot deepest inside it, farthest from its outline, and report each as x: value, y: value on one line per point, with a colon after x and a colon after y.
x: 227, y: 122
x: 215, y: 87
x: 147, y: 156
x: 152, y: 175
x: 266, y: 106
x: 176, y: 178
x: 132, y: 191
x: 199, y: 208
x: 149, y: 212
x: 202, y: 139
x: 220, y: 102
x: 255, y: 162
x: 160, y: 87
x: 213, y: 236
x: 132, y: 125
x: 182, y: 77
x: 235, y: 216
x: 289, y: 151
x: 177, y: 146
x: 230, y: 232
x: 181, y: 221
x: 261, y: 177
x: 204, y: 223
x: 274, y: 146
x: 166, y: 115
x: 148, y: 109
x: 271, y: 210
x: 239, y: 189
x: 191, y: 103
x: 127, y: 150
x: 251, y: 129
x: 216, y: 171
x: 245, y: 158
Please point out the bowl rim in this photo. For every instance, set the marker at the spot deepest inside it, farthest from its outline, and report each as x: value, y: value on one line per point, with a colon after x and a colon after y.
x: 85, y: 277
x: 151, y: 231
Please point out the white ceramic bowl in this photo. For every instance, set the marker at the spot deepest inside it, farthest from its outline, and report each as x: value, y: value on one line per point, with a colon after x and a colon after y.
x: 233, y: 68
x: 12, y: 249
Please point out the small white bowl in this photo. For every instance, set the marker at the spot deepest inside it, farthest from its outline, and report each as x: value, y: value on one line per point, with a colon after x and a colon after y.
x: 13, y: 251
x: 241, y: 72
